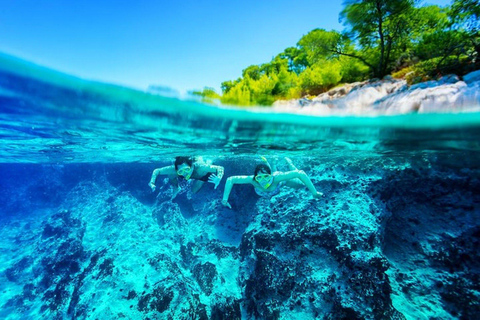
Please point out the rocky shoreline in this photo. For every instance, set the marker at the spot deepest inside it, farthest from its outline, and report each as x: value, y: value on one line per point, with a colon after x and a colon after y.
x: 390, y: 96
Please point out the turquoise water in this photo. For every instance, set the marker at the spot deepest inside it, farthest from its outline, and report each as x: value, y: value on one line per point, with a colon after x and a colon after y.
x: 83, y: 236
x: 50, y: 117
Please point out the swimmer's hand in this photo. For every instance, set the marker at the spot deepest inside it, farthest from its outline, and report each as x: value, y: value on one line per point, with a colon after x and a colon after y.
x: 226, y: 204
x: 214, y: 179
x: 152, y: 186
x: 318, y: 195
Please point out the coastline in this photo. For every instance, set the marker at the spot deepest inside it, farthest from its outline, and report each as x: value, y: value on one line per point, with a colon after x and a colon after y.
x: 391, y: 96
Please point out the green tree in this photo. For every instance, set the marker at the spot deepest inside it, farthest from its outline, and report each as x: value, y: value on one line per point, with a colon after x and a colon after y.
x: 275, y: 66
x: 226, y: 86
x: 465, y: 16
x: 451, y: 44
x: 285, y: 81
x: 297, y: 59
x: 320, y: 44
x: 238, y: 94
x: 467, y: 12
x: 252, y: 71
x: 381, y: 36
x: 378, y: 25
x: 352, y: 70
x: 319, y: 77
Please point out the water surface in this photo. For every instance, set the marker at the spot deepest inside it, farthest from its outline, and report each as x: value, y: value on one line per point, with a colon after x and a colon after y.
x: 82, y: 235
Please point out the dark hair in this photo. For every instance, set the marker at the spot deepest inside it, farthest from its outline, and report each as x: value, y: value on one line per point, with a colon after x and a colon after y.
x: 262, y: 167
x: 181, y: 160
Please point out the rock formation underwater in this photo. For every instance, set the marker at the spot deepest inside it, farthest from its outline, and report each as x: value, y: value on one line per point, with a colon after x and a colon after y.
x: 393, y: 238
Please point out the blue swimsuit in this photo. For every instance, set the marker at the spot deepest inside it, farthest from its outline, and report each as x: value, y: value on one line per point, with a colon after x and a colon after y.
x: 269, y: 193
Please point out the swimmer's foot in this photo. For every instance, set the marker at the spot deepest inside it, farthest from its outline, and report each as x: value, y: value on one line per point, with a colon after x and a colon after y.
x: 319, y: 195
x: 226, y: 204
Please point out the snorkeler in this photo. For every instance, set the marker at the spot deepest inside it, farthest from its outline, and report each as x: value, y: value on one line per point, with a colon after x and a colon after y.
x: 189, y: 168
x: 267, y: 183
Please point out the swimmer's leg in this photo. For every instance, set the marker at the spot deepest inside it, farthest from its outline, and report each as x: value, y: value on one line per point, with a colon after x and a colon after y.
x: 295, y: 184
x: 291, y: 166
x: 197, y: 185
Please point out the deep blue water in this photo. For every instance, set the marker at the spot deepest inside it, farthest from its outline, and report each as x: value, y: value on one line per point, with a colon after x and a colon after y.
x: 82, y: 236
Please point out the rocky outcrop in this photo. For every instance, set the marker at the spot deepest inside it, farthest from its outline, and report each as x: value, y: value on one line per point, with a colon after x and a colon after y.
x: 392, y: 96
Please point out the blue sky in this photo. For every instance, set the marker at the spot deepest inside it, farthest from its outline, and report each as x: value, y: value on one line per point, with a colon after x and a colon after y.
x: 181, y: 44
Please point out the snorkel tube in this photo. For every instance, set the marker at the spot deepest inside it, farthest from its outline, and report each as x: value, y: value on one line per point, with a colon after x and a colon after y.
x: 187, y: 177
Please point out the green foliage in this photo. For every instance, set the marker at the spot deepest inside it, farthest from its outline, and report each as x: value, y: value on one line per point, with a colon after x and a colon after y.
x: 320, y: 45
x: 238, y: 94
x: 260, y: 90
x: 379, y: 24
x: 352, y: 70
x: 296, y: 57
x: 275, y: 66
x: 467, y: 14
x: 403, y: 72
x: 455, y: 34
x: 437, y: 67
x: 319, y: 78
x: 207, y: 94
x: 441, y: 43
x: 227, y: 85
x: 253, y: 72
x: 426, y: 20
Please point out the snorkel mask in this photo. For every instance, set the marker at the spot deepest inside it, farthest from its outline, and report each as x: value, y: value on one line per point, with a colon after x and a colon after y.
x: 264, y: 179
x: 185, y: 172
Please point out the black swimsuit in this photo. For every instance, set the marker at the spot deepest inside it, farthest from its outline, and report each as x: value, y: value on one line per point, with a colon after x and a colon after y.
x: 205, y: 177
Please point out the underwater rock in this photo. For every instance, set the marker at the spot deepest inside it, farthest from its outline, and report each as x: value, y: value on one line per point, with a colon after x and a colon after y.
x: 427, y: 241
x: 16, y: 272
x: 275, y: 282
x: 384, y: 243
x: 205, y: 275
x: 229, y: 310
x: 106, y: 268
x: 159, y: 300
x: 168, y: 215
x: 221, y: 250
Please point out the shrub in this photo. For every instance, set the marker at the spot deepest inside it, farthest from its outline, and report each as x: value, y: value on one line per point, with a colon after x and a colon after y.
x: 400, y: 74
x: 437, y: 67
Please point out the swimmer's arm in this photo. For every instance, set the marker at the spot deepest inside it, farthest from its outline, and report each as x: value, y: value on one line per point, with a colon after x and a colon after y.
x: 170, y: 170
x: 230, y: 182
x: 273, y: 164
x: 302, y: 176
x: 219, y: 171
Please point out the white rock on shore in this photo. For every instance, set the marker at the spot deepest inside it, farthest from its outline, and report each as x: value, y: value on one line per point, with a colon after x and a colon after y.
x: 391, y: 96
